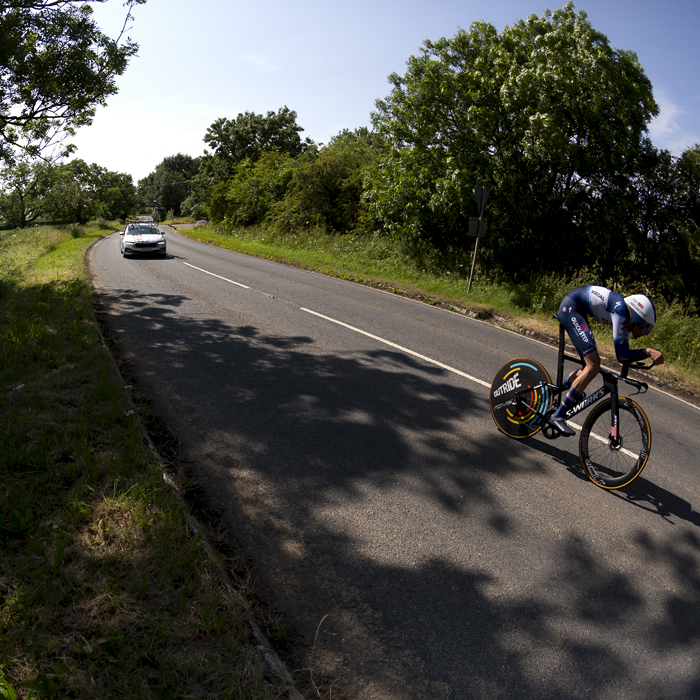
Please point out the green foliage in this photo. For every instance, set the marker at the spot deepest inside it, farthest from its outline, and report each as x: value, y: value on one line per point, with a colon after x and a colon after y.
x: 70, y: 197
x: 250, y: 135
x: 81, y: 192
x: 546, y: 113
x: 115, y: 196
x: 247, y: 197
x: 23, y: 188
x: 74, y: 191
x: 677, y: 332
x: 56, y: 66
x: 233, y: 141
x: 326, y: 186
x: 7, y: 692
x: 169, y: 185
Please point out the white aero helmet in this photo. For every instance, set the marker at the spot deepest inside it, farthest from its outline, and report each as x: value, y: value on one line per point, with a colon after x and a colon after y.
x: 642, y: 312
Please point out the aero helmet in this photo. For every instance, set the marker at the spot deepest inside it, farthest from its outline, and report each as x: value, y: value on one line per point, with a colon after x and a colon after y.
x: 642, y: 312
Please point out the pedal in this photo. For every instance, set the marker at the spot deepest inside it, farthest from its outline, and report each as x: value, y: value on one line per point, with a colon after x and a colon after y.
x: 550, y: 432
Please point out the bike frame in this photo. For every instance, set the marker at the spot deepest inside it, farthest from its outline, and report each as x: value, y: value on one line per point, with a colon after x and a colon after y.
x: 610, y: 386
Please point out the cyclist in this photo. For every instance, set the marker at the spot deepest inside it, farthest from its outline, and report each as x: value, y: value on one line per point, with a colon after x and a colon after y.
x: 635, y: 314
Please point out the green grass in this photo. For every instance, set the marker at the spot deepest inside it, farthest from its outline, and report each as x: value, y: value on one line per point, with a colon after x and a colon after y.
x: 103, y: 591
x: 377, y: 260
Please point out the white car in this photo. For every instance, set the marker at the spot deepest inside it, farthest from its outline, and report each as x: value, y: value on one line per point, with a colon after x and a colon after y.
x: 141, y: 239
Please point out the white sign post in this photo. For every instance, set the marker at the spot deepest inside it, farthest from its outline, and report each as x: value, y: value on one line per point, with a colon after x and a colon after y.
x: 477, y: 226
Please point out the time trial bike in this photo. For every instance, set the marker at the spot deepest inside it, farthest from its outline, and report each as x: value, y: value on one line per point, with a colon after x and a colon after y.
x: 615, y: 439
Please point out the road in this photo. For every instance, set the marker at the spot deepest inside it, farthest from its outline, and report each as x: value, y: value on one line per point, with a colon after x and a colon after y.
x: 342, y: 435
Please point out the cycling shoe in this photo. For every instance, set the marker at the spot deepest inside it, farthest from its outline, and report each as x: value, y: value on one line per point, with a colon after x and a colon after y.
x: 562, y: 426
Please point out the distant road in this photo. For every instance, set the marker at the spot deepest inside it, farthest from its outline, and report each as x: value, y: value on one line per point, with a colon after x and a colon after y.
x: 343, y: 436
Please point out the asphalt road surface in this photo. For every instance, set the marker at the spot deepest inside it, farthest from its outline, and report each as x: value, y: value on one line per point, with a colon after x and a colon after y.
x: 343, y: 436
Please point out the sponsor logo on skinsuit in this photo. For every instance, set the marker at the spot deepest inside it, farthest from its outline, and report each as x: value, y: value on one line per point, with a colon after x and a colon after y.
x: 579, y: 331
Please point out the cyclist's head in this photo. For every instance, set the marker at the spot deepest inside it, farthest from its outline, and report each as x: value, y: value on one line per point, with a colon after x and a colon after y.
x: 642, y: 312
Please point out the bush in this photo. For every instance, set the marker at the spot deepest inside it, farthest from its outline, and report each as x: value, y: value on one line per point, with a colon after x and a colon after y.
x: 677, y: 333
x: 326, y: 187
x: 247, y: 197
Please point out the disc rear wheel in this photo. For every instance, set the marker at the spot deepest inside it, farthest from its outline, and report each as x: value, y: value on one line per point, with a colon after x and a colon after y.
x: 520, y: 397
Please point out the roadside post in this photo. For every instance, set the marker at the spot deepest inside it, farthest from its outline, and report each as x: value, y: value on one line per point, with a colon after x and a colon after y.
x: 477, y: 225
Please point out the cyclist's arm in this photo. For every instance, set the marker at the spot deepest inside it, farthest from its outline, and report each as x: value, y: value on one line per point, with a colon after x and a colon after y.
x: 621, y: 341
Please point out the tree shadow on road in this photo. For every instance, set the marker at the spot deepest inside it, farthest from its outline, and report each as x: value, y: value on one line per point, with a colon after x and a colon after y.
x: 319, y: 461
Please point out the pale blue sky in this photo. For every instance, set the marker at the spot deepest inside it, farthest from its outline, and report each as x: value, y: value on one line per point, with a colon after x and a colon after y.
x: 329, y: 62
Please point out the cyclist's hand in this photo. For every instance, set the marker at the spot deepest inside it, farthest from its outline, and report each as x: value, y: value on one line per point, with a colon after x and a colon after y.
x: 657, y: 356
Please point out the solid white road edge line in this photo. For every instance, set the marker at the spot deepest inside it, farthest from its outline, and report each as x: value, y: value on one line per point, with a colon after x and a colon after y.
x: 399, y: 347
x: 206, y: 272
x: 416, y: 354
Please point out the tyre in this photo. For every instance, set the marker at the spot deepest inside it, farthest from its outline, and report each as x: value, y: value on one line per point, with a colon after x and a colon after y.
x: 612, y: 461
x: 527, y: 381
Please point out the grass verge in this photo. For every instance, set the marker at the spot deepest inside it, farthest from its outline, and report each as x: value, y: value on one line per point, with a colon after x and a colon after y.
x: 378, y: 261
x: 104, y: 593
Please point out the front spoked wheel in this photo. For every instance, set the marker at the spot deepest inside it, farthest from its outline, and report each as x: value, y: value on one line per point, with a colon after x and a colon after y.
x: 520, y: 397
x: 612, y: 458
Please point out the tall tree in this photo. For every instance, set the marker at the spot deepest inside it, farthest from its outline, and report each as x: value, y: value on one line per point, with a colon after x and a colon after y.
x: 72, y: 195
x: 249, y: 135
x: 326, y: 186
x: 546, y: 113
x: 56, y: 67
x: 115, y: 195
x: 666, y: 221
x: 23, y: 188
x: 169, y: 184
x: 246, y: 198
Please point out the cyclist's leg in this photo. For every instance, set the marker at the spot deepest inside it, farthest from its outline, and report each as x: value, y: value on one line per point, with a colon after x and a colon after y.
x: 588, y: 373
x: 569, y: 379
x: 578, y: 329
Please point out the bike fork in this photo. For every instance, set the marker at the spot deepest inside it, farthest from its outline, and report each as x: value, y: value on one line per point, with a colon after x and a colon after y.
x: 614, y: 421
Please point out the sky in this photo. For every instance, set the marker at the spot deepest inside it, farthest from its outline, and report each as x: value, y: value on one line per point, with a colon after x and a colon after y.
x: 330, y: 61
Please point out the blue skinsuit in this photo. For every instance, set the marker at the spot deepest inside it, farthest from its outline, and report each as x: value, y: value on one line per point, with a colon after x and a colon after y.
x: 604, y: 306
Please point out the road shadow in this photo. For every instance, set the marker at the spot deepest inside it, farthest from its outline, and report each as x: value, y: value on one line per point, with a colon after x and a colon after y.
x: 307, y: 457
x: 641, y: 493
